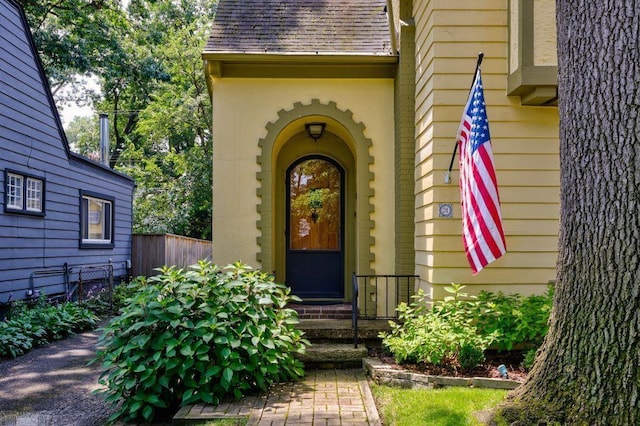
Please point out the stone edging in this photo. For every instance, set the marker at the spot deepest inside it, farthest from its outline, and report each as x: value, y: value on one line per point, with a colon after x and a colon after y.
x: 383, y: 374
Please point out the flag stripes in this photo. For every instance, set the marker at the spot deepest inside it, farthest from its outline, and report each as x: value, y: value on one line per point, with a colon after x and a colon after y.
x: 483, y: 235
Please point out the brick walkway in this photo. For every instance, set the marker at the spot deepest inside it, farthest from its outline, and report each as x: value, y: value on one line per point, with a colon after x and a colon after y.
x: 324, y: 397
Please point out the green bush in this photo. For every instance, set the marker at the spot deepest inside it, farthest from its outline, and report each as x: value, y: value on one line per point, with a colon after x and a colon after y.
x: 517, y: 320
x: 15, y: 339
x: 30, y: 326
x: 470, y: 356
x: 198, y: 336
x: 99, y: 306
x: 121, y: 293
x: 458, y: 329
x: 441, y: 336
x: 529, y: 358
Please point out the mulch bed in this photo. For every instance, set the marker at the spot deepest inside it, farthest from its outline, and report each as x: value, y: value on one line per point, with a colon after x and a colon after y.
x: 489, y: 369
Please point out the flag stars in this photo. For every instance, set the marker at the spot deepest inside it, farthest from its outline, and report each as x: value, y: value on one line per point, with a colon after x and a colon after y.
x: 483, y: 234
x: 477, y: 118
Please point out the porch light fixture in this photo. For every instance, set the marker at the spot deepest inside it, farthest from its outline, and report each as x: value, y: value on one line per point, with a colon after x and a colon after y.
x: 315, y: 130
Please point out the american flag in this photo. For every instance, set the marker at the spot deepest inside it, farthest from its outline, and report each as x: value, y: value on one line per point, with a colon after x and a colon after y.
x: 481, y: 219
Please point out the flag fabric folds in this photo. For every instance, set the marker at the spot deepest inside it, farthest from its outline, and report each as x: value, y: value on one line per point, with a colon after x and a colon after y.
x: 482, y: 231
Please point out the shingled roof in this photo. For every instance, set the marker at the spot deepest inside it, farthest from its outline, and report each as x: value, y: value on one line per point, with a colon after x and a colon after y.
x: 289, y: 27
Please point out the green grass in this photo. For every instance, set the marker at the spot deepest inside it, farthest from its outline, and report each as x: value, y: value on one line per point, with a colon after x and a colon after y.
x: 450, y: 406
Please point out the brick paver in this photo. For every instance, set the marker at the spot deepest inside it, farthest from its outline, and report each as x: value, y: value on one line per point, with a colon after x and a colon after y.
x: 324, y: 397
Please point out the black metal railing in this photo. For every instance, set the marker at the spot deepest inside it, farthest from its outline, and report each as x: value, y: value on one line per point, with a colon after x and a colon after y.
x: 48, y: 281
x: 378, y: 296
x: 95, y: 282
x: 77, y: 283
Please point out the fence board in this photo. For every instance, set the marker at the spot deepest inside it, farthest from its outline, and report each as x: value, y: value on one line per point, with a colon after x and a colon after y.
x: 150, y: 251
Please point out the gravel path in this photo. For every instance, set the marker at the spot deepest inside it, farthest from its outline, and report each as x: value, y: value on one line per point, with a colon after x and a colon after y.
x: 53, y: 385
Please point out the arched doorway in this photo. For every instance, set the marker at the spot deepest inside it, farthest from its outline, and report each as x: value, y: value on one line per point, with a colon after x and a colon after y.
x: 315, y: 179
x: 344, y: 142
x: 315, y: 228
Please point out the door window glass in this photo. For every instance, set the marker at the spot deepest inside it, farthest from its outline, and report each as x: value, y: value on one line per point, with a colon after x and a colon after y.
x: 314, y: 215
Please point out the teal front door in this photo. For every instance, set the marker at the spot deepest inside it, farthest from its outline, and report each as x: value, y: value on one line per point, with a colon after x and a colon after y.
x: 314, y: 228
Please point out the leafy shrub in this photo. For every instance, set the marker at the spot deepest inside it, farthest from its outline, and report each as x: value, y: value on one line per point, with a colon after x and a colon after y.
x: 14, y: 339
x: 470, y: 356
x: 516, y: 319
x: 99, y: 306
x: 30, y: 326
x: 442, y: 335
x: 196, y: 336
x: 529, y: 358
x: 458, y: 329
x: 121, y: 293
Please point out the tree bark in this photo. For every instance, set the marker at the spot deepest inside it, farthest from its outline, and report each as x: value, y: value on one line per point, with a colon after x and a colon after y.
x: 587, y: 371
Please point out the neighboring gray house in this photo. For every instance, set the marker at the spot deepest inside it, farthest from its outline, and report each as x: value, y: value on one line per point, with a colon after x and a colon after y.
x: 60, y: 213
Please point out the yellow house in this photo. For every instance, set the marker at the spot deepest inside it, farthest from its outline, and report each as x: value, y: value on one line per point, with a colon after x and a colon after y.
x: 334, y: 123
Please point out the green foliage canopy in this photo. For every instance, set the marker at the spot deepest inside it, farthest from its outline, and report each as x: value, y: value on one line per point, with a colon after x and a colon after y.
x: 147, y: 61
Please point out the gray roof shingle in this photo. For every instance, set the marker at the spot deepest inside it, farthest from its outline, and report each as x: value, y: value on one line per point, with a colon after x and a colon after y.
x: 324, y: 27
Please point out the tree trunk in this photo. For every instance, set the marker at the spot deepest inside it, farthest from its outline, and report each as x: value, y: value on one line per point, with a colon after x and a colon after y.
x: 587, y: 371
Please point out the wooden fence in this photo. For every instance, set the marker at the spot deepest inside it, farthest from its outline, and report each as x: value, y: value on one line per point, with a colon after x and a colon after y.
x: 150, y: 251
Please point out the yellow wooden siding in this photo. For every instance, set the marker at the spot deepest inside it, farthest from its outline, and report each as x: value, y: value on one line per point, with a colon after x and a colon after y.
x: 528, y: 243
x: 449, y: 35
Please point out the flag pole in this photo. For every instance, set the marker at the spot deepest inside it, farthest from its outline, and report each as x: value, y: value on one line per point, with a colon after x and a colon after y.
x: 447, y: 175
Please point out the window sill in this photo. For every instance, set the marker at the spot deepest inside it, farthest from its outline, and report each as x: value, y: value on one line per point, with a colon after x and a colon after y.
x: 97, y: 245
x: 22, y: 212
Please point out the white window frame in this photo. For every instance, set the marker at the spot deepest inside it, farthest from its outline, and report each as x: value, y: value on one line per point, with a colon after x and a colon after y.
x: 98, y: 220
x: 24, y: 193
x: 15, y: 185
x: 33, y: 200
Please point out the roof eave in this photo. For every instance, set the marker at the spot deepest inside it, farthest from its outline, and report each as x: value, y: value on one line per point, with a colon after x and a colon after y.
x: 301, y: 65
x: 258, y: 56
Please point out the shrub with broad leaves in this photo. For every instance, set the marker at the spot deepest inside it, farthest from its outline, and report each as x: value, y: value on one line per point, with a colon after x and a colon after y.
x: 457, y: 330
x: 440, y: 336
x: 198, y: 336
x: 29, y: 326
x: 519, y: 321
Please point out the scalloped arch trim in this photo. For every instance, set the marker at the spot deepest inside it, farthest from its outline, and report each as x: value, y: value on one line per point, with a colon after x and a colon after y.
x: 352, y: 132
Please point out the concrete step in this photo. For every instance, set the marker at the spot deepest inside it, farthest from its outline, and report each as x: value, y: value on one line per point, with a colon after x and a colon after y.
x: 341, y: 331
x: 332, y: 355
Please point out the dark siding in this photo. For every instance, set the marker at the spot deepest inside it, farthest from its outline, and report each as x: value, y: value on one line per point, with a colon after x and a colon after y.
x: 32, y: 142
